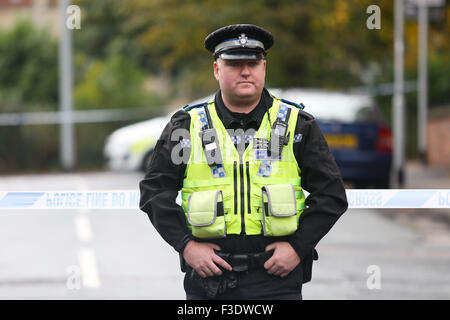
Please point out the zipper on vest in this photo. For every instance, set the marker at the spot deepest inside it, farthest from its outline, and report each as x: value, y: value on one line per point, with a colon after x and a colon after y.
x: 235, y: 187
x: 249, y: 207
x: 241, y: 176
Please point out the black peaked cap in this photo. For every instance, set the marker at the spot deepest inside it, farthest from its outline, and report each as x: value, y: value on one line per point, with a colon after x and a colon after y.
x: 234, y: 31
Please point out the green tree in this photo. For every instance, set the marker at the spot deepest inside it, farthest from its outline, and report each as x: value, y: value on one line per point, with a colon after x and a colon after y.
x: 29, y: 69
x: 112, y: 83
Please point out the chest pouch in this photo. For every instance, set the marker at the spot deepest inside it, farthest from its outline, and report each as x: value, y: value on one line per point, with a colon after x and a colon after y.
x: 206, y: 214
x: 279, y: 210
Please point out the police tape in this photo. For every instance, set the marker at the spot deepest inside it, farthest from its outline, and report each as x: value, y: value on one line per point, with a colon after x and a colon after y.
x: 75, y: 199
x: 129, y: 199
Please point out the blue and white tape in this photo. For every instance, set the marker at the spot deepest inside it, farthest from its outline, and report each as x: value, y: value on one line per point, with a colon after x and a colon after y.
x: 45, y: 200
x: 129, y: 199
x: 398, y: 198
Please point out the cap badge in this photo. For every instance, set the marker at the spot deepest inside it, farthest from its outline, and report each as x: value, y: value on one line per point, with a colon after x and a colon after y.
x: 243, y: 39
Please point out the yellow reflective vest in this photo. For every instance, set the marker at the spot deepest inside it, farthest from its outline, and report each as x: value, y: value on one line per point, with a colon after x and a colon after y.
x: 252, y: 193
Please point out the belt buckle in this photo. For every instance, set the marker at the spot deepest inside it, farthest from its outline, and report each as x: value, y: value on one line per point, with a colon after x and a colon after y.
x: 239, y: 262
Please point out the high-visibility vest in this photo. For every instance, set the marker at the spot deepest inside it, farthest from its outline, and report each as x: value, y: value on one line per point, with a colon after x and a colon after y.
x: 257, y: 192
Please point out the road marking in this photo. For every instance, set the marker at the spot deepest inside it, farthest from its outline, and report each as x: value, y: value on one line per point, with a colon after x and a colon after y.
x: 83, y: 227
x: 86, y: 256
x: 89, y: 271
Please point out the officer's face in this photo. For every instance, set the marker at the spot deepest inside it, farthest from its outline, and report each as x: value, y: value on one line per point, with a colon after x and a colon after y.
x: 241, y: 81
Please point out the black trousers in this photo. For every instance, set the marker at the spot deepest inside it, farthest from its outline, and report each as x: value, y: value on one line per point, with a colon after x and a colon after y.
x: 293, y: 296
x: 252, y: 285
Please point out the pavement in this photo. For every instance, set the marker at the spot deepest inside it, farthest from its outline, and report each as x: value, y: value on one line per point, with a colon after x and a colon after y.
x: 420, y: 176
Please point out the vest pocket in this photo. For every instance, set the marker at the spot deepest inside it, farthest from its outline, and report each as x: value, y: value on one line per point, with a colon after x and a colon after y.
x: 206, y: 214
x: 279, y: 208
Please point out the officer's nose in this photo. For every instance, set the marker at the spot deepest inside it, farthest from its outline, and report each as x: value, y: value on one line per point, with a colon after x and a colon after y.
x: 245, y: 70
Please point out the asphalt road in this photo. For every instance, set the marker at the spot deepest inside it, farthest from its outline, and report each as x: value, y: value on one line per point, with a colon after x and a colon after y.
x: 99, y: 254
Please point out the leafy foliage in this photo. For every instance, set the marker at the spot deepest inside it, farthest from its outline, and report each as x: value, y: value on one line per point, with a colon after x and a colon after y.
x: 28, y: 67
x: 140, y: 53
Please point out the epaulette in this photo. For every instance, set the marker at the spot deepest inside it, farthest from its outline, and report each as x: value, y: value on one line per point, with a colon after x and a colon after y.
x: 189, y: 108
x: 306, y: 115
x: 300, y: 105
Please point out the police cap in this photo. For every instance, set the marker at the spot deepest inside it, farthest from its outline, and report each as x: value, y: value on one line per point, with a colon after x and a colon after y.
x: 239, y: 42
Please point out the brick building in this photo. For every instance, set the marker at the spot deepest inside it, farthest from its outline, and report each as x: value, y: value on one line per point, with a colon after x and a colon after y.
x: 42, y: 13
x: 438, y: 137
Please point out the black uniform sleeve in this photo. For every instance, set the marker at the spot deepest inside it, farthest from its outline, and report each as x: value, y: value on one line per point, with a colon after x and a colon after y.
x: 327, y: 200
x: 163, y: 180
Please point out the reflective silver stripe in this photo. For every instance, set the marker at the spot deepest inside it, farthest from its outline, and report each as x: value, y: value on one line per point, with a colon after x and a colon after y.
x: 235, y: 43
x: 217, y: 170
x: 246, y: 56
x: 265, y: 167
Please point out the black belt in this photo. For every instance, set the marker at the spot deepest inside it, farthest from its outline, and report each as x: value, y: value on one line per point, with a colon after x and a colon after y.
x: 211, y: 287
x: 245, y: 262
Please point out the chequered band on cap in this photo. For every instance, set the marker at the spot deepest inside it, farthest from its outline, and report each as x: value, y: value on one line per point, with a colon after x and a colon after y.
x: 241, y: 42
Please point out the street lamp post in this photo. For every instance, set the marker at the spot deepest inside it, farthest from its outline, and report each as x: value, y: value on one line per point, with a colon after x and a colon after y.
x: 67, y: 144
x: 422, y: 94
x: 398, y: 110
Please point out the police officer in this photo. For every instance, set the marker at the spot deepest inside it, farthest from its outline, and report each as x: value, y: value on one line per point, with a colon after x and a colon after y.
x: 244, y: 229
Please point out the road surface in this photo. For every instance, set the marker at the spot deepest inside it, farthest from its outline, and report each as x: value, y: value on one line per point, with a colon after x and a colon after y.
x: 100, y: 254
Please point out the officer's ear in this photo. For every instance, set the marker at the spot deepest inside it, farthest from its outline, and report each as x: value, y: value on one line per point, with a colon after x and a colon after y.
x: 216, y: 69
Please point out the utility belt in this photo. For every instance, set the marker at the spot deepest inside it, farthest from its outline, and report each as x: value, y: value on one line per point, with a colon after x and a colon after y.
x: 216, y: 285
x: 213, y: 286
x: 239, y: 262
x: 246, y: 262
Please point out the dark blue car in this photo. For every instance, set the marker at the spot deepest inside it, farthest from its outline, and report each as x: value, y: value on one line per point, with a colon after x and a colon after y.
x: 355, y: 131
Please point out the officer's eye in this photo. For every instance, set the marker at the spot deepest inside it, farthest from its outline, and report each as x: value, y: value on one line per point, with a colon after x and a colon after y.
x: 235, y: 64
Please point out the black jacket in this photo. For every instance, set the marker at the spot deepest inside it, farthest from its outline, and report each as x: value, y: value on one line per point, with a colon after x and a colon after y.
x: 319, y: 172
